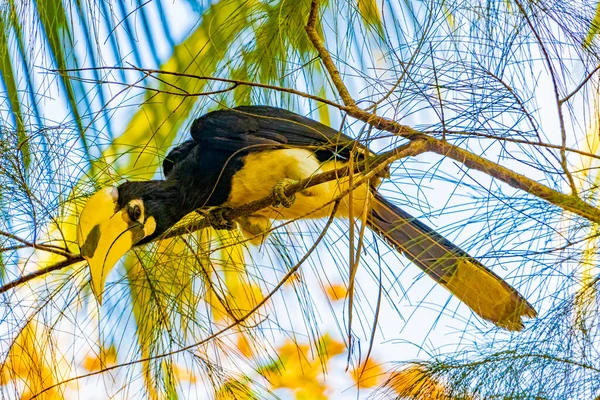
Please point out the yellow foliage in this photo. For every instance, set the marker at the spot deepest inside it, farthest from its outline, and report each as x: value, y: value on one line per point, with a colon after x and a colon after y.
x: 369, y: 374
x: 369, y: 11
x: 244, y: 346
x: 328, y: 347
x: 415, y: 383
x: 147, y: 312
x: 234, y: 390
x: 299, y: 371
x: 585, y: 176
x: 105, y: 358
x: 594, y: 28
x: 26, y: 364
x: 230, y: 291
x: 184, y: 374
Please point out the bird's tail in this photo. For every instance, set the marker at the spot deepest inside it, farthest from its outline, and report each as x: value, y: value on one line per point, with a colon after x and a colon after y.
x: 475, y: 285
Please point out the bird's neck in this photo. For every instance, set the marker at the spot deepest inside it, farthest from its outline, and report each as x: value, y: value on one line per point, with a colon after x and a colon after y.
x: 167, y: 203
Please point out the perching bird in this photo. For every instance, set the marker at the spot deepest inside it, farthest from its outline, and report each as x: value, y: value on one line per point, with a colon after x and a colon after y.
x: 243, y: 154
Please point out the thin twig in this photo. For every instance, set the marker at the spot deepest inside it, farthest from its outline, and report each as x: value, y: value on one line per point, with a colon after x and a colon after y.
x: 26, y: 243
x: 439, y: 94
x: 41, y: 272
x: 571, y: 203
x: 561, y: 119
x: 582, y: 84
x: 374, y: 165
x: 235, y: 323
x: 192, y: 76
x: 311, y: 30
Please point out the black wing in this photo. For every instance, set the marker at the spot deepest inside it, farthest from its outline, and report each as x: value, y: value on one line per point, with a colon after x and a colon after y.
x: 176, y: 155
x: 223, y: 130
x: 255, y: 128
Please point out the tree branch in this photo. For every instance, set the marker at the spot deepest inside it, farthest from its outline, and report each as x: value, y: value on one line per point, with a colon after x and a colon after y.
x: 227, y: 328
x: 311, y: 30
x: 26, y: 243
x: 571, y: 203
x: 372, y: 165
x: 561, y: 119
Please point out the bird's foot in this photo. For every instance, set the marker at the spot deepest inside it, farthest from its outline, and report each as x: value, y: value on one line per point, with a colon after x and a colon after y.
x: 215, y: 216
x: 279, y: 193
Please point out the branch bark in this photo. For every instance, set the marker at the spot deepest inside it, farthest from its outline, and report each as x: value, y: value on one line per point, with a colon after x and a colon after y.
x: 571, y: 202
x: 419, y: 142
x: 372, y: 165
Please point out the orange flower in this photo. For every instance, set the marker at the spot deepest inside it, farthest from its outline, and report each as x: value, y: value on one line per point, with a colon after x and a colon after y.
x: 336, y: 292
x: 368, y: 374
x: 328, y: 347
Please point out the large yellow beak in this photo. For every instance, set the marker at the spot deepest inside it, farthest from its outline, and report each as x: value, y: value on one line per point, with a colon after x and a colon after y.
x: 105, y: 234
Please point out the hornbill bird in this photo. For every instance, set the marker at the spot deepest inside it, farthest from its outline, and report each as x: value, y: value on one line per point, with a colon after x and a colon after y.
x: 243, y: 154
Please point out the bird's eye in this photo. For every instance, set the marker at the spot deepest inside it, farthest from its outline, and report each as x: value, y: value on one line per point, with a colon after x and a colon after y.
x: 135, y: 212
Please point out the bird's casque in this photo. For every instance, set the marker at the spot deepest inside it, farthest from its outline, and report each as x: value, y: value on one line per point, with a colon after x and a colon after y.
x: 243, y: 154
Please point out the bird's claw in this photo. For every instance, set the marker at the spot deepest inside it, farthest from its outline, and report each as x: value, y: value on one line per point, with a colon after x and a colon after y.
x: 215, y: 217
x: 279, y: 193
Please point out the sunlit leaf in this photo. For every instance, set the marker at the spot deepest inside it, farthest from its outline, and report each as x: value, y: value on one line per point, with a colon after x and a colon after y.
x: 7, y: 77
x: 586, y: 297
x: 244, y: 345
x: 328, y: 347
x: 184, y: 374
x: 369, y: 11
x: 594, y: 27
x: 450, y: 18
x: 107, y: 357
x: 414, y: 382
x: 27, y: 363
x: 336, y: 292
x: 171, y: 379
x: 235, y: 389
x: 149, y: 311
x: 369, y: 374
x: 298, y: 370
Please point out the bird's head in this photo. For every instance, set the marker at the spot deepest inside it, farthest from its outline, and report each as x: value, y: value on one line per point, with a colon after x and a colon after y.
x: 113, y: 221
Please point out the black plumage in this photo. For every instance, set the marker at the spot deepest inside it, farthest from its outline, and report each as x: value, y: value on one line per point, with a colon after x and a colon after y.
x: 203, y: 172
x: 199, y: 171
